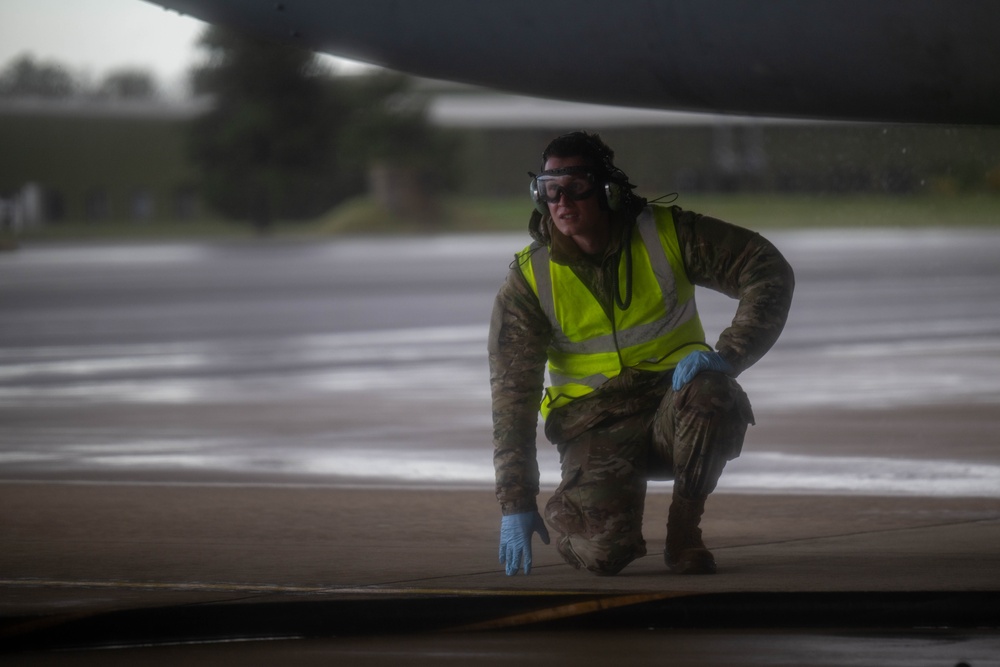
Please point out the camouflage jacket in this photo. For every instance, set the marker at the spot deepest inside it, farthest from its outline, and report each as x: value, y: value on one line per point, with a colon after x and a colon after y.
x: 729, y: 259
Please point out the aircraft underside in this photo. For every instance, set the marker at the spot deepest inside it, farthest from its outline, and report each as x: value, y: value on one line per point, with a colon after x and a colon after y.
x: 887, y: 60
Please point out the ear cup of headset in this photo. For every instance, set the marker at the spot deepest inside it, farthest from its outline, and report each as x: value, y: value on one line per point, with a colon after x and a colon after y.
x: 613, y: 195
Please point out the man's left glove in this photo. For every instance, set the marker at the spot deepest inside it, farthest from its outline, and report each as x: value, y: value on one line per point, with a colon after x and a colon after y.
x: 697, y: 362
x: 515, y: 539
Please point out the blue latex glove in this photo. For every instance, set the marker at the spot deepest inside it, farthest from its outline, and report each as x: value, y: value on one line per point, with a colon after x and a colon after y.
x: 697, y: 362
x: 515, y: 539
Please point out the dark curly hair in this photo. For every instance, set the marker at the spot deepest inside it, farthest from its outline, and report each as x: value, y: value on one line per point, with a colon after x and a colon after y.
x: 588, y: 146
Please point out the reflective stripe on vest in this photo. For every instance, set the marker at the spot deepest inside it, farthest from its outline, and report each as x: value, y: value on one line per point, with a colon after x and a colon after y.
x: 654, y: 333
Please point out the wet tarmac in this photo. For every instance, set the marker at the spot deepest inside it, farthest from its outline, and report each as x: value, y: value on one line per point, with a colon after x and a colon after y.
x: 364, y: 360
x: 251, y: 423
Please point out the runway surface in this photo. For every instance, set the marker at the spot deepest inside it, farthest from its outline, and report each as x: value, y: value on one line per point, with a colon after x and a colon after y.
x: 363, y: 361
x: 229, y: 426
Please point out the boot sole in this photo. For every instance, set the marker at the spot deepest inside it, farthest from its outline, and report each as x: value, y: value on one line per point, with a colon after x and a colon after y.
x: 694, y: 561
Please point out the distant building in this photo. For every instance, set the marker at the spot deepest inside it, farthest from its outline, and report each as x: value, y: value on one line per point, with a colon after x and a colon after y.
x: 666, y: 151
x: 89, y: 160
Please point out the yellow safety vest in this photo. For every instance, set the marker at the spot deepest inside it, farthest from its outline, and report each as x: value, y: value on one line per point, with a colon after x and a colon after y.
x: 654, y: 333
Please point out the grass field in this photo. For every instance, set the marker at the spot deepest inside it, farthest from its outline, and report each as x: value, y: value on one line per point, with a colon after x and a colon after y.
x: 753, y: 211
x: 362, y: 217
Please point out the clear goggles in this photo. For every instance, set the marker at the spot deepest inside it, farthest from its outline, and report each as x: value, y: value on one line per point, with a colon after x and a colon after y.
x: 575, y: 182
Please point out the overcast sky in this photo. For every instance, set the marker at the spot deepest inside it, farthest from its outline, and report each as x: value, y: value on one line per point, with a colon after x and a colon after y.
x: 95, y: 36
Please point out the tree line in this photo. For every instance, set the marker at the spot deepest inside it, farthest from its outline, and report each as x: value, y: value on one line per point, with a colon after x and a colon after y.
x: 285, y: 137
x: 27, y: 76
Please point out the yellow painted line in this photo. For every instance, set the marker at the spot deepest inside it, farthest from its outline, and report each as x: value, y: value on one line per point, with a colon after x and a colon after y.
x: 599, y: 600
x: 568, y: 611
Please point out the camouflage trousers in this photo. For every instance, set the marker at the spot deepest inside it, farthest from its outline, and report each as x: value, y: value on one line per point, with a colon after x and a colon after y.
x: 597, y: 509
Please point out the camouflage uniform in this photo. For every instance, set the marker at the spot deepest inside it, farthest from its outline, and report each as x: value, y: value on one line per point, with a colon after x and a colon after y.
x: 634, y: 427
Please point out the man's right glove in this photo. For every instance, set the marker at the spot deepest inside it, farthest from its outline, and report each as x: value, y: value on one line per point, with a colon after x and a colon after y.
x: 515, y: 539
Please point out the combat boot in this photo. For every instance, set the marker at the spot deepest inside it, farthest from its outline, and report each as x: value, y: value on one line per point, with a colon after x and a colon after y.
x: 686, y: 553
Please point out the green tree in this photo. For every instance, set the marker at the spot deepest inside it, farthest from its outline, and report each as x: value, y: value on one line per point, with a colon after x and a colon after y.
x: 128, y: 84
x: 407, y: 161
x: 267, y: 147
x: 26, y: 77
x: 287, y: 139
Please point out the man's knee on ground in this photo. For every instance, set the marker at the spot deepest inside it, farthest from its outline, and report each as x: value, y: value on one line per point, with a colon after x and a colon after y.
x: 598, y: 556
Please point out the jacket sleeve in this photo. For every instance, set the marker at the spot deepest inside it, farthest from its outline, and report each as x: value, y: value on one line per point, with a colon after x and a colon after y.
x: 518, y: 339
x: 743, y: 265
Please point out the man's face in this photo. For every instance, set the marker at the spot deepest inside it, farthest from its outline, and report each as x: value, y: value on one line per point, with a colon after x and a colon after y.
x: 583, y: 220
